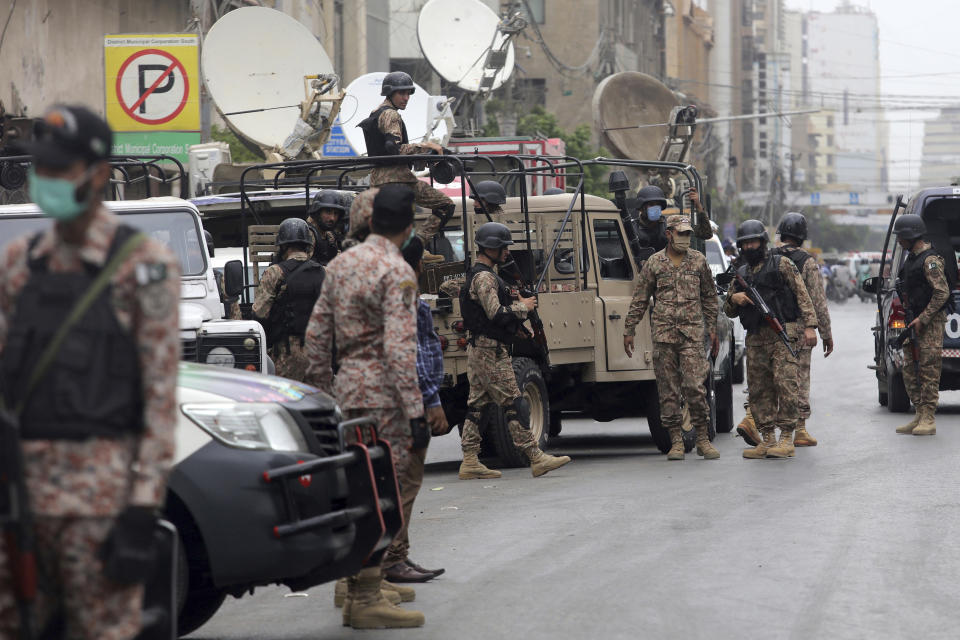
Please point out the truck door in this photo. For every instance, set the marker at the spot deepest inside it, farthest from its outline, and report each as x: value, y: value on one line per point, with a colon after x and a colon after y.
x: 616, y: 278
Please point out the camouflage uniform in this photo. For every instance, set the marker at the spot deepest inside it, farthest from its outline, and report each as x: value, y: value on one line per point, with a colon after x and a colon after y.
x: 772, y: 372
x: 231, y: 308
x: 360, y: 212
x: 333, y: 240
x: 289, y: 359
x: 77, y: 488
x: 924, y: 389
x: 390, y: 123
x: 685, y: 302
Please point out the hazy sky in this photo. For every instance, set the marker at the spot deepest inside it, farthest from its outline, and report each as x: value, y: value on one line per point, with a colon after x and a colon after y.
x: 919, y: 56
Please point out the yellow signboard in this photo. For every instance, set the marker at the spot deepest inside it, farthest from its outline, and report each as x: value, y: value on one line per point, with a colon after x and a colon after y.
x: 152, y: 82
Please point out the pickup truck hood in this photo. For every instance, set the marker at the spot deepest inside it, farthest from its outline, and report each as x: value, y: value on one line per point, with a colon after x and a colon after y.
x: 246, y: 386
x: 192, y: 316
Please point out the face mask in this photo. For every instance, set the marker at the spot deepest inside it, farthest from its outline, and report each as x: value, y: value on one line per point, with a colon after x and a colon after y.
x: 406, y: 243
x: 57, y: 197
x: 653, y: 212
x: 752, y: 256
x: 681, y: 243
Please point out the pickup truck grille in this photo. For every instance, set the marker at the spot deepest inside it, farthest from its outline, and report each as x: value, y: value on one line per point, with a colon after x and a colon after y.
x: 323, y: 424
x: 243, y: 357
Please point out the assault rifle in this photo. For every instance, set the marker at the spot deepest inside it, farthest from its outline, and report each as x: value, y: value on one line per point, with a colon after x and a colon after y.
x: 512, y: 271
x: 17, y: 522
x: 908, y: 334
x: 772, y: 321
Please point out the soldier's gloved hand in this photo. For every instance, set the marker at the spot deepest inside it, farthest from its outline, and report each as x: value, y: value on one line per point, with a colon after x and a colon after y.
x: 827, y: 347
x: 420, y: 432
x: 129, y: 552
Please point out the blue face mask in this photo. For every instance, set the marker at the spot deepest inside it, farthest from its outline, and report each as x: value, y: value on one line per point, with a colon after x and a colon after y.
x: 57, y: 197
x: 406, y: 243
x: 653, y: 212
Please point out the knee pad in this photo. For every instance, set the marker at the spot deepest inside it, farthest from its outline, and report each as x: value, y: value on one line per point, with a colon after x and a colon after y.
x: 519, y: 410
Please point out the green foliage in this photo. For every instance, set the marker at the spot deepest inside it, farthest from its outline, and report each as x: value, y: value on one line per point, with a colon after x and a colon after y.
x: 541, y: 123
x: 238, y: 151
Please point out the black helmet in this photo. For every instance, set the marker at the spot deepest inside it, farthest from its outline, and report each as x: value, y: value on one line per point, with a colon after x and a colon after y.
x: 443, y: 172
x: 294, y: 230
x: 749, y: 230
x: 490, y: 191
x: 793, y: 224
x: 650, y: 194
x: 493, y: 235
x: 552, y: 191
x: 327, y: 199
x: 909, y: 227
x: 396, y: 81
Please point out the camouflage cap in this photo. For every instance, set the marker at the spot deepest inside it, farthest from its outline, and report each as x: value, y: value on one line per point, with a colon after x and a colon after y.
x: 680, y: 223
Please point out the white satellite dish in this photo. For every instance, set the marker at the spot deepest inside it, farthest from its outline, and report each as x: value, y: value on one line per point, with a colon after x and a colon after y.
x: 421, y: 115
x: 256, y: 58
x: 456, y: 37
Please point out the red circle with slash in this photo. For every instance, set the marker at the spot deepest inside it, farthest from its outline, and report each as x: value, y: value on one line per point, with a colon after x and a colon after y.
x: 175, y: 65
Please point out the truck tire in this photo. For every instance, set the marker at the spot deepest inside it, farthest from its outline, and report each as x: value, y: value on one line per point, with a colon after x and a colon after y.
x: 712, y: 406
x: 533, y: 387
x: 738, y: 366
x: 897, y: 399
x: 194, y: 606
x: 881, y: 396
x: 661, y: 437
x: 723, y: 395
x: 556, y: 423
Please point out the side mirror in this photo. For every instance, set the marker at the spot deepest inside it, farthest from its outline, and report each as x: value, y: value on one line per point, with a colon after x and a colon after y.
x: 724, y: 279
x: 871, y: 285
x: 233, y: 278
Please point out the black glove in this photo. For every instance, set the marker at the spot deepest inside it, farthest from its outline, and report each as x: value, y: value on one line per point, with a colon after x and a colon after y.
x: 129, y: 552
x: 420, y: 432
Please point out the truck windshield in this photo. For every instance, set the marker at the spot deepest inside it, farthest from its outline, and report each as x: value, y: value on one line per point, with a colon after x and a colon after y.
x: 176, y: 229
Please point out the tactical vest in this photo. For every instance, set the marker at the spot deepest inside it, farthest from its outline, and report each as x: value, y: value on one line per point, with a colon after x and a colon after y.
x: 796, y: 254
x: 290, y: 313
x: 92, y: 388
x: 913, y: 288
x: 655, y: 237
x: 475, y: 318
x: 375, y: 139
x: 775, y: 292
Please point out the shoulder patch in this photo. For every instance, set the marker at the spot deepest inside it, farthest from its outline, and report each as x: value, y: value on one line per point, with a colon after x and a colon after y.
x: 933, y: 265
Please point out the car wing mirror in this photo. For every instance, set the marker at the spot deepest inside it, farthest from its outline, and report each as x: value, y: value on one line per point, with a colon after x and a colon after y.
x: 871, y: 285
x: 724, y: 279
x: 233, y: 278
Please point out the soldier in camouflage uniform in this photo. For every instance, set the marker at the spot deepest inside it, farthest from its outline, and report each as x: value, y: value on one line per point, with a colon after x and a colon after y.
x: 493, y: 317
x: 326, y: 213
x: 285, y: 297
x: 386, y: 135
x: 653, y: 206
x: 368, y: 308
x: 793, y: 231
x: 772, y: 371
x: 97, y: 432
x: 489, y: 197
x: 685, y: 304
x: 360, y: 212
x: 924, y: 293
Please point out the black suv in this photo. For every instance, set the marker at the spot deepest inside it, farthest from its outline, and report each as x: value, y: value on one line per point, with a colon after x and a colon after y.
x: 940, y: 209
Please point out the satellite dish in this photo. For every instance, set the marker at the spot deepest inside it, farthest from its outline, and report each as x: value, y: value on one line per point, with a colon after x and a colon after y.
x: 457, y: 38
x: 256, y: 58
x: 631, y: 97
x: 420, y: 116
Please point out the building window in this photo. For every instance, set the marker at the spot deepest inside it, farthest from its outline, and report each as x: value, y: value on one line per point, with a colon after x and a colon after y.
x: 829, y: 122
x: 829, y: 141
x: 830, y: 160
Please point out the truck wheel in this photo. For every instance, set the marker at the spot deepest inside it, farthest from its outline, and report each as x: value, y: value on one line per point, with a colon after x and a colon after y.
x: 723, y: 395
x: 534, y: 389
x: 712, y: 407
x: 556, y: 423
x: 897, y: 399
x: 738, y: 366
x: 651, y: 406
x: 195, y: 606
x: 881, y: 396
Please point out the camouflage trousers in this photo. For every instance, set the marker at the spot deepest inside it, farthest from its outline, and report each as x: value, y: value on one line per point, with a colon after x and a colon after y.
x: 924, y: 389
x: 803, y: 380
x: 429, y: 198
x: 290, y: 360
x: 71, y: 582
x: 773, y: 380
x: 681, y: 370
x: 491, y: 377
x: 410, y: 483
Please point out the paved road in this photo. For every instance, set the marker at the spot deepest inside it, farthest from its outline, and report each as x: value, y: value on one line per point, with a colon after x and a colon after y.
x: 856, y: 538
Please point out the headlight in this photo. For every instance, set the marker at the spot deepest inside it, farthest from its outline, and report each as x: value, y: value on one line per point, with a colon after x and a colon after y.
x: 221, y: 357
x: 248, y: 425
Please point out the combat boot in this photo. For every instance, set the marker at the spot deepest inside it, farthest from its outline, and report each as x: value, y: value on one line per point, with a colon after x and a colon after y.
x: 405, y: 594
x: 758, y: 452
x: 704, y: 446
x: 370, y: 610
x: 910, y: 426
x: 802, y: 437
x: 927, y: 426
x: 747, y: 429
x: 473, y: 469
x: 676, y: 444
x: 341, y: 589
x: 541, y: 463
x: 783, y: 448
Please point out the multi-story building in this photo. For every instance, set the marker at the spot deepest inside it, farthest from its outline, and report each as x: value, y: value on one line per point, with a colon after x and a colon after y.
x: 941, y: 149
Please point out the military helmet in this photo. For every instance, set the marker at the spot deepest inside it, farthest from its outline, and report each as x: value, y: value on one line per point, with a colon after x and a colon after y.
x: 650, y: 194
x: 490, y: 191
x: 327, y: 199
x: 793, y: 224
x: 396, y: 81
x: 294, y: 230
x: 552, y: 191
x: 493, y: 235
x: 750, y: 230
x: 909, y: 227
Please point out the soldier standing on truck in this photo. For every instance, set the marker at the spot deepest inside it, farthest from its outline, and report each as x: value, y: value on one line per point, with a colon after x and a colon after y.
x: 285, y: 298
x: 923, y: 289
x: 493, y: 316
x: 385, y: 134
x: 652, y: 228
x: 368, y: 308
x: 488, y: 198
x: 793, y: 231
x: 96, y: 424
x: 324, y: 218
x: 686, y: 302
x: 771, y: 367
